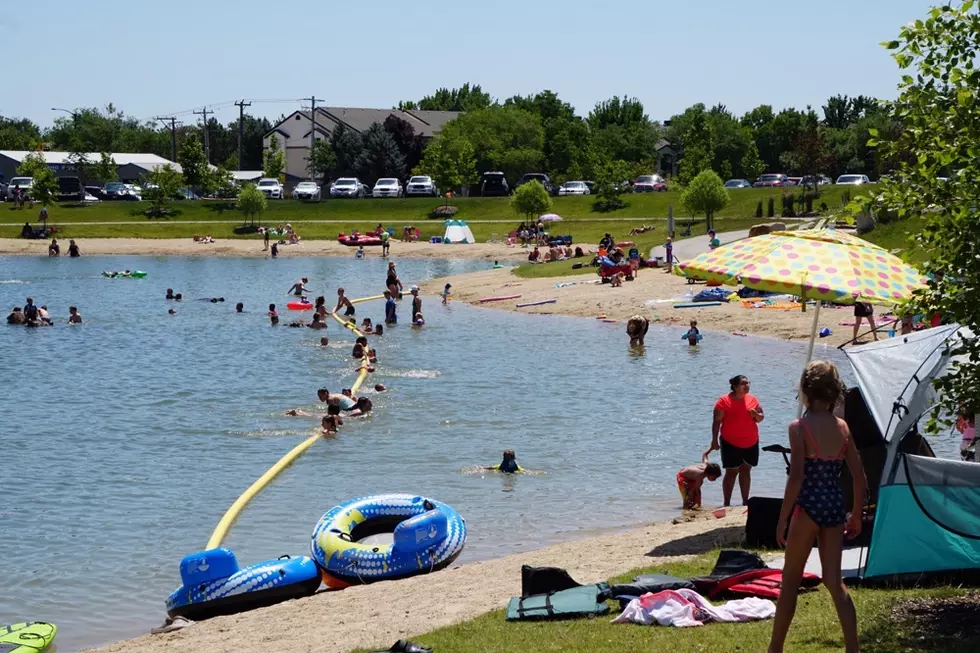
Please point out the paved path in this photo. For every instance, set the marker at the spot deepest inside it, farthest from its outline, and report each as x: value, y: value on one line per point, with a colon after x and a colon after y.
x: 691, y: 247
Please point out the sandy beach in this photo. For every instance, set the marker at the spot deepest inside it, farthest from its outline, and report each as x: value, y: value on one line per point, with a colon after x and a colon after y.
x: 376, y: 615
x: 187, y: 247
x: 651, y: 295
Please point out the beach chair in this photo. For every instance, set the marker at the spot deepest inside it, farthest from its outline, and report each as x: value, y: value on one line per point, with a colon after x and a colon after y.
x: 416, y: 235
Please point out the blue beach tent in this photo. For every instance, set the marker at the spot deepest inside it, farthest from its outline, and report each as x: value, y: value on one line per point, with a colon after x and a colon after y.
x: 927, y: 520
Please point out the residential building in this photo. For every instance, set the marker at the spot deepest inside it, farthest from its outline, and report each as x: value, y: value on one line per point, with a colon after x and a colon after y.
x: 130, y: 167
x: 293, y: 132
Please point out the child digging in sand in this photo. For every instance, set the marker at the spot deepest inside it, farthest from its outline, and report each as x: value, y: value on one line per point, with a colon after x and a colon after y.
x: 691, y: 478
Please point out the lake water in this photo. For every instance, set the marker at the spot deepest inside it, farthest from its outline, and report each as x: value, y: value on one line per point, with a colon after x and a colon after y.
x: 126, y: 439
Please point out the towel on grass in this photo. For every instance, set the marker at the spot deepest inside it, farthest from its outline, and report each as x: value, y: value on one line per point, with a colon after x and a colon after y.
x: 684, y: 608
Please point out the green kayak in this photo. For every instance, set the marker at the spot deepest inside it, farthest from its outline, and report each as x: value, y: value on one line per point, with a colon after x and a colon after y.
x: 30, y: 637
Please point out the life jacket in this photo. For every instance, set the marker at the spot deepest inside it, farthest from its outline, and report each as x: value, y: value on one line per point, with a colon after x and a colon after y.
x: 743, y: 573
x: 584, y: 601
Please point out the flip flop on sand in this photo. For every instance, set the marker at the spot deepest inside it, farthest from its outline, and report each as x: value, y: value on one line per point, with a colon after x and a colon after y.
x: 172, y: 624
x: 405, y: 646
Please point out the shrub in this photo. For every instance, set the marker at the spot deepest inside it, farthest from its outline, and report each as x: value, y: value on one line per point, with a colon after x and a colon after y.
x: 758, y: 209
x: 705, y: 194
x: 789, y: 200
x: 531, y: 200
x: 771, y: 209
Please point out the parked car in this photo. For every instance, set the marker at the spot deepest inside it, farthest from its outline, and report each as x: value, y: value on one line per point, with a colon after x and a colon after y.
x: 574, y: 188
x: 23, y: 183
x: 590, y: 185
x: 387, y: 187
x: 493, y: 183
x: 307, y: 190
x: 853, y: 180
x: 89, y: 198
x: 816, y: 180
x: 271, y: 188
x: 539, y: 177
x: 133, y: 193
x: 649, y: 184
x: 794, y: 181
x: 115, y: 190
x: 347, y: 187
x: 771, y: 180
x: 70, y: 189
x: 98, y: 192
x: 186, y: 194
x: 738, y: 183
x: 421, y: 185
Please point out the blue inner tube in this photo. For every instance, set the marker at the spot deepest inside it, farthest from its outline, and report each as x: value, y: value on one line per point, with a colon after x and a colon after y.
x: 428, y: 536
x: 214, y: 585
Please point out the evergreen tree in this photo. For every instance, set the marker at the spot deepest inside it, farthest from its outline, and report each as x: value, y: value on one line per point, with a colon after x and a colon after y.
x: 379, y: 156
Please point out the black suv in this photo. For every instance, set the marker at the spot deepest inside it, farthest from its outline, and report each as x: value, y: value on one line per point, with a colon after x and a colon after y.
x: 494, y: 183
x: 541, y: 178
x: 70, y: 189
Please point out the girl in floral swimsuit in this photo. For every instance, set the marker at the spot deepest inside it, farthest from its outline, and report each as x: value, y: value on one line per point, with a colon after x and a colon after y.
x: 820, y: 445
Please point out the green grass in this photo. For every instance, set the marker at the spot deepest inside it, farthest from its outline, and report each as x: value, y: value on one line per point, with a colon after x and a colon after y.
x: 485, y: 215
x: 896, y: 236
x: 814, y: 630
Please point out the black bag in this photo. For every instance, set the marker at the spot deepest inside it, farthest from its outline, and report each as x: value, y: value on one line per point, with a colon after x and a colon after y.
x: 651, y: 583
x: 544, y: 580
x: 760, y: 527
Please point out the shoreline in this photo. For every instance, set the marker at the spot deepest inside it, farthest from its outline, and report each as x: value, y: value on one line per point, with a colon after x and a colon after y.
x: 253, y: 248
x: 651, y: 294
x: 379, y: 614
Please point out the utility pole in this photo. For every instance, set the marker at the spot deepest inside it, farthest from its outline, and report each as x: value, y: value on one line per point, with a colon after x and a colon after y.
x: 312, y: 130
x: 207, y: 149
x: 241, y: 104
x: 173, y: 137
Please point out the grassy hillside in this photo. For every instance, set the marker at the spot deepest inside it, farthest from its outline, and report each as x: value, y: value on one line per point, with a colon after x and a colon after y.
x: 486, y: 216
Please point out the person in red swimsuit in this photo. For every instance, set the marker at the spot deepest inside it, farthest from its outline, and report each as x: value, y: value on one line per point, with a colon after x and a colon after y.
x: 736, y: 420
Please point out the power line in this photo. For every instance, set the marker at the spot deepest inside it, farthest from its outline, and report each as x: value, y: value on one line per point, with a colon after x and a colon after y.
x: 173, y: 136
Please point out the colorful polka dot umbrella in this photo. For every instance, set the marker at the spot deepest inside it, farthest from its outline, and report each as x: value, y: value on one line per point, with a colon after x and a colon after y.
x: 817, y: 264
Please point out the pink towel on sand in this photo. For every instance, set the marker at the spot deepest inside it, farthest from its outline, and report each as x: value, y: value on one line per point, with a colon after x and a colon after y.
x: 684, y: 608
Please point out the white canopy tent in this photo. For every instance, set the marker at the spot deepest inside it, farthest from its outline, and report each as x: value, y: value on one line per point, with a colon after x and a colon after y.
x: 457, y: 231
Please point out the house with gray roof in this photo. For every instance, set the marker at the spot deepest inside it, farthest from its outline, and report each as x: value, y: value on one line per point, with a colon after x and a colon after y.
x: 293, y: 132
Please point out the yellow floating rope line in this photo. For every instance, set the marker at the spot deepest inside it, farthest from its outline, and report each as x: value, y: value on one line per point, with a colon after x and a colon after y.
x: 221, y: 530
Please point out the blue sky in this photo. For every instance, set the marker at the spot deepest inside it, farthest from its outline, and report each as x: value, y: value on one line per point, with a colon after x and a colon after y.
x: 154, y: 57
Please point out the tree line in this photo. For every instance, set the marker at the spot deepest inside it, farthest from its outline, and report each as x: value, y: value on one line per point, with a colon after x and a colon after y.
x: 534, y: 133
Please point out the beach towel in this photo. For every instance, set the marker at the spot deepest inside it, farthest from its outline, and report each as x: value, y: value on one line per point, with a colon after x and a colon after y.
x: 712, y: 295
x: 685, y: 608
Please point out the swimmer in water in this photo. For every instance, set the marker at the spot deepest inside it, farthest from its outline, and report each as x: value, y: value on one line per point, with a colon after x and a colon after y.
x: 379, y: 387
x: 170, y: 293
x: 171, y: 312
x: 508, y: 465
x: 274, y: 319
x: 299, y: 288
x: 342, y: 401
x: 366, y: 325
x: 272, y: 310
x: 317, y: 322
x: 74, y: 317
x: 178, y: 297
x: 324, y: 342
x: 296, y: 412
x: 361, y: 408
x: 372, y: 357
x: 419, y: 320
x: 637, y: 328
x: 416, y: 300
x: 379, y: 330
x: 239, y: 307
x: 360, y: 345
x: 328, y: 425
x: 693, y: 335
x: 343, y: 301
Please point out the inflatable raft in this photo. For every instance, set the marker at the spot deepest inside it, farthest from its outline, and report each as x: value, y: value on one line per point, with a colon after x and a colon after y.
x: 214, y: 585
x: 133, y: 274
x: 29, y: 637
x: 299, y: 306
x: 428, y: 536
x: 366, y: 241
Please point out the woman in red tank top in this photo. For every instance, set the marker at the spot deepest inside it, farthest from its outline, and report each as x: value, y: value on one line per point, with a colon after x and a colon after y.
x: 736, y: 421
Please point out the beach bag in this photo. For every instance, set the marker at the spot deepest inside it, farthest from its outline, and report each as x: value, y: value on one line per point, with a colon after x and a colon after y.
x: 647, y: 584
x: 582, y: 601
x: 544, y: 580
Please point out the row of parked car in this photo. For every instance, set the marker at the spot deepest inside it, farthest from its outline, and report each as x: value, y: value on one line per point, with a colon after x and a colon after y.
x: 778, y: 180
x: 70, y: 189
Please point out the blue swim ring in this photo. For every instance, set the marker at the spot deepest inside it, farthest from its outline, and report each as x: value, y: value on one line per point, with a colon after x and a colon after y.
x: 214, y: 585
x: 428, y: 536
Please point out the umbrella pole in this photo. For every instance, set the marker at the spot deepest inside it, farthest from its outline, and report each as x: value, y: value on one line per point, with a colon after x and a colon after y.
x: 809, y: 350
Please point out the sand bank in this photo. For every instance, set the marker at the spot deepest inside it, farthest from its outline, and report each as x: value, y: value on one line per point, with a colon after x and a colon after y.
x: 377, y: 615
x: 649, y: 295
x: 187, y: 247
